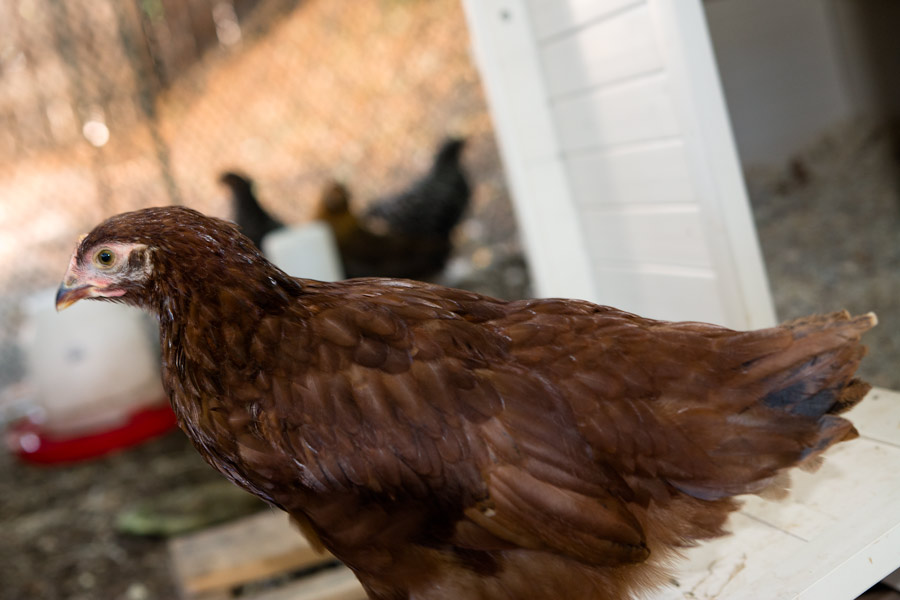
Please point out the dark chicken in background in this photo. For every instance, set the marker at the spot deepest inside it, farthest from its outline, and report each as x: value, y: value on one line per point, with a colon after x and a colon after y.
x: 433, y: 205
x: 367, y: 253
x: 249, y: 215
x: 407, y: 235
x: 447, y: 445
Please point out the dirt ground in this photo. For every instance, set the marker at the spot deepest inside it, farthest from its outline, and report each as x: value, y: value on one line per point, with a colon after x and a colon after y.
x: 59, y: 537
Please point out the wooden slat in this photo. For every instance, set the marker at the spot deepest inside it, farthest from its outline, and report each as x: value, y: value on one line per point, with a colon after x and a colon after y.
x: 503, y: 42
x: 879, y: 416
x: 648, y: 173
x: 612, y: 50
x: 229, y: 555
x: 639, y: 111
x: 665, y: 235
x: 553, y: 17
x: 813, y: 508
x: 661, y: 293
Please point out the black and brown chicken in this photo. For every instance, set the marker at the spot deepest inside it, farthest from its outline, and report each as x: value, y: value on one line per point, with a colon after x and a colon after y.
x: 254, y: 221
x: 365, y: 252
x: 407, y: 235
x: 448, y: 445
x: 432, y: 205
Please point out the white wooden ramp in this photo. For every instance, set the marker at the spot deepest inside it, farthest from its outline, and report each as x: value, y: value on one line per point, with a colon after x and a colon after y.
x: 833, y: 537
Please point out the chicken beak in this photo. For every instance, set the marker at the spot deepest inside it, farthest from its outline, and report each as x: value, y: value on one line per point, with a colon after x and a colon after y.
x: 69, y: 291
x: 67, y: 295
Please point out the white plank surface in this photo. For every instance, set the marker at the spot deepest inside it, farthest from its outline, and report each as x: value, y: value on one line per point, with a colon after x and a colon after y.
x: 833, y: 537
x: 615, y: 103
x: 695, y: 86
x: 553, y: 17
x: 506, y: 52
x: 657, y: 172
x: 666, y: 235
x: 608, y: 51
x: 660, y: 292
x: 638, y: 111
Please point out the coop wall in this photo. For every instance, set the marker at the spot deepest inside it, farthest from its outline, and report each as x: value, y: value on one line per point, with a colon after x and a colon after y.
x: 793, y: 70
x: 620, y: 156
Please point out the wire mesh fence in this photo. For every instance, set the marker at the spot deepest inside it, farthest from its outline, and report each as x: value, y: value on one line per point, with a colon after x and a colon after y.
x: 113, y: 105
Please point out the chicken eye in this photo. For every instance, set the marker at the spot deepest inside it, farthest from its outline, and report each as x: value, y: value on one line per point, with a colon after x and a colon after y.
x: 105, y: 257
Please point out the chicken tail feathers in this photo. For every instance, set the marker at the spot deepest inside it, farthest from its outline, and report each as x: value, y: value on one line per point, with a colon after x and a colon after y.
x: 818, y: 382
x: 802, y: 377
x: 814, y: 376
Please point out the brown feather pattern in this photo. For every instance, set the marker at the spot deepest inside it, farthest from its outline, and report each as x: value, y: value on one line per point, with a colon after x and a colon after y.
x: 449, y: 445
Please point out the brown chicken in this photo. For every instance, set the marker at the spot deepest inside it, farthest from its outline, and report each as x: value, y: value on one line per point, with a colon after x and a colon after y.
x: 446, y: 445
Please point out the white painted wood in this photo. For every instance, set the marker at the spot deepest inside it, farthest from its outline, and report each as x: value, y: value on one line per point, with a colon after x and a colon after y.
x: 881, y: 416
x: 667, y: 235
x: 637, y: 111
x: 504, y: 47
x: 660, y: 292
x: 657, y: 172
x: 712, y: 155
x: 833, y: 537
x: 532, y: 137
x: 604, y: 52
x: 614, y: 134
x: 552, y: 17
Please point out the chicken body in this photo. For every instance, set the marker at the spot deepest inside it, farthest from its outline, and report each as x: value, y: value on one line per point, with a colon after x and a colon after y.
x: 447, y: 445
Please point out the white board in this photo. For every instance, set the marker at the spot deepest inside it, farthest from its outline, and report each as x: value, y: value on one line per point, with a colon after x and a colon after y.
x: 619, y: 155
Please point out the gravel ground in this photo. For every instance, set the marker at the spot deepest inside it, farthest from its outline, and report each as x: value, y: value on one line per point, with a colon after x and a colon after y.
x: 829, y: 226
x: 59, y: 536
